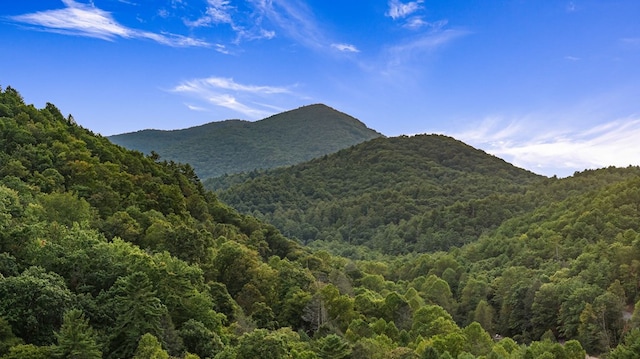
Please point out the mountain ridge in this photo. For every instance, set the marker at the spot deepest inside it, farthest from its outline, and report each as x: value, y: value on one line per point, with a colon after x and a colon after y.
x: 400, y: 183
x: 139, y: 256
x: 233, y: 146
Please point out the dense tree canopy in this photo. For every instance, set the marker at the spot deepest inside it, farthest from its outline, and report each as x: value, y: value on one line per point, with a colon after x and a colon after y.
x: 396, y: 195
x: 235, y: 146
x: 105, y: 252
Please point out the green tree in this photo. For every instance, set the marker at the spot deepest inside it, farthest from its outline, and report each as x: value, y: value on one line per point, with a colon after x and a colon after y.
x: 430, y: 352
x: 474, y: 291
x: 478, y: 341
x: 573, y: 349
x: 65, y: 208
x: 545, y: 309
x: 590, y: 332
x: 77, y: 339
x: 198, y: 339
x: 630, y: 349
x: 29, y: 351
x: 7, y: 338
x: 333, y: 347
x: 261, y: 343
x: 138, y: 311
x: 484, y: 315
x: 437, y: 291
x: 234, y: 266
x: 33, y: 303
x: 149, y: 348
x: 431, y: 320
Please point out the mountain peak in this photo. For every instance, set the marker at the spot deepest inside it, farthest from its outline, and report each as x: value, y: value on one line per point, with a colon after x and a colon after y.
x: 233, y: 146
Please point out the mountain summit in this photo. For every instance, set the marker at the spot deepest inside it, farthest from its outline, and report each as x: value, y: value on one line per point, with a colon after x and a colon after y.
x: 234, y: 146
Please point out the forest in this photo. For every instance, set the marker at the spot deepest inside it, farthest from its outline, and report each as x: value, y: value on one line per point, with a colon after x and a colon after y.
x: 234, y: 146
x: 109, y: 253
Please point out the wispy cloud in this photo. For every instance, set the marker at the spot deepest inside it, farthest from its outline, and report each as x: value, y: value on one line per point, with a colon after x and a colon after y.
x: 399, y: 10
x: 217, y: 12
x: 195, y: 108
x: 345, y: 47
x: 221, y: 12
x: 294, y: 19
x: 403, y: 52
x: 87, y: 20
x: 248, y: 100
x: 560, y: 152
x: 264, y: 19
x: 411, y: 15
x: 222, y: 49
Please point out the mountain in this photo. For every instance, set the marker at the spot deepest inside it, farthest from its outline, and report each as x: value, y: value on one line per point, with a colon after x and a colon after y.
x: 396, y: 195
x: 107, y: 253
x: 235, y: 146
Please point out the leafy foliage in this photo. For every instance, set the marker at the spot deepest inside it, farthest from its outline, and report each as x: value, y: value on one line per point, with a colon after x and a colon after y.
x: 107, y: 253
x: 395, y: 195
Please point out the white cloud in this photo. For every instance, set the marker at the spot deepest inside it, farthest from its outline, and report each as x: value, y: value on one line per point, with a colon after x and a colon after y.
x: 345, y: 47
x: 266, y: 19
x: 217, y: 12
x: 163, y: 13
x: 560, y: 152
x: 411, y: 15
x: 195, y: 108
x: 229, y: 84
x: 294, y: 18
x: 399, y: 10
x: 225, y: 92
x: 416, y: 22
x: 87, y: 20
x: 222, y: 49
x: 245, y: 23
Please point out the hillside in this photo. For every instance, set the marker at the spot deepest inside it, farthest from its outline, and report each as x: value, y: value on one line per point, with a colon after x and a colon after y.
x: 570, y: 267
x: 396, y: 195
x: 236, y: 146
x: 106, y: 253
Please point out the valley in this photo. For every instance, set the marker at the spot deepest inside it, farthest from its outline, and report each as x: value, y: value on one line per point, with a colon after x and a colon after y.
x: 401, y: 247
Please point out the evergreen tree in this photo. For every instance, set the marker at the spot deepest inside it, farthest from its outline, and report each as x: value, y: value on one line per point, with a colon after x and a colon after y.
x: 139, y: 312
x: 333, y: 347
x: 77, y: 339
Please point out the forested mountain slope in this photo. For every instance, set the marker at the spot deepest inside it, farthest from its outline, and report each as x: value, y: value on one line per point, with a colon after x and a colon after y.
x: 397, y: 195
x: 90, y: 231
x: 234, y: 146
x: 569, y: 268
x: 106, y: 253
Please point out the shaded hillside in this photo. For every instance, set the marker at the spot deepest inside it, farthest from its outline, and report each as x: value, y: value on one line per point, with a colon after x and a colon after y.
x: 235, y: 146
x: 398, y: 195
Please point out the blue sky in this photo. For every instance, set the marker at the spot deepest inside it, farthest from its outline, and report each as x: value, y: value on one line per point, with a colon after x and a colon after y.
x: 549, y: 85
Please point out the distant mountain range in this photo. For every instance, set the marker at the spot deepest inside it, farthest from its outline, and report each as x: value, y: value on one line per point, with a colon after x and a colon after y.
x: 235, y: 146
